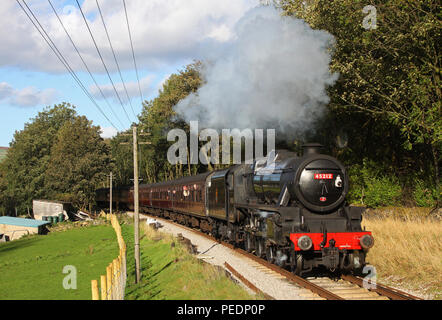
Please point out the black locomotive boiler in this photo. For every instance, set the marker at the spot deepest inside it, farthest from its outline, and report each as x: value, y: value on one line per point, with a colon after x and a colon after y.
x: 286, y: 208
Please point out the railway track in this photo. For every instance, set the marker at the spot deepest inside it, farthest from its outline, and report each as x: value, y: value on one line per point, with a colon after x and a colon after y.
x: 347, y: 287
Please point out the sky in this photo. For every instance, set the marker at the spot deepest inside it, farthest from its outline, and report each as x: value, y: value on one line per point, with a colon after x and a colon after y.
x: 167, y: 35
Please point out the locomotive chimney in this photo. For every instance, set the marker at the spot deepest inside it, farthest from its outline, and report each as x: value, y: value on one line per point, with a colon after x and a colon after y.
x: 312, y: 148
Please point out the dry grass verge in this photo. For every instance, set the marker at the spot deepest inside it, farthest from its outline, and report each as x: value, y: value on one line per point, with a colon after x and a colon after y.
x: 407, y: 251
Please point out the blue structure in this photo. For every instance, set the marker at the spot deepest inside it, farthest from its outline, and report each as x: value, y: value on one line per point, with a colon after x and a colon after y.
x: 12, y: 228
x: 12, y: 221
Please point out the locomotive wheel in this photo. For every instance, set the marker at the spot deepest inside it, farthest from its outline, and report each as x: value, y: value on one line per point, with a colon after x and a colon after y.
x: 280, y: 258
x: 260, y: 248
x: 296, y: 262
x: 270, y: 254
x: 249, y: 243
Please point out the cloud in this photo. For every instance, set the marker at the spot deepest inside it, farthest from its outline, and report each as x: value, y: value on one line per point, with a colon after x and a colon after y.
x: 163, y: 32
x: 26, y: 97
x: 146, y: 85
x: 108, y: 132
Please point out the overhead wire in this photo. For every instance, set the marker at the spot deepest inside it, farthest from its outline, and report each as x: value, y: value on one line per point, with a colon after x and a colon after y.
x: 84, y: 63
x: 115, y: 58
x: 102, y: 61
x: 133, y: 52
x: 60, y: 56
x: 136, y: 68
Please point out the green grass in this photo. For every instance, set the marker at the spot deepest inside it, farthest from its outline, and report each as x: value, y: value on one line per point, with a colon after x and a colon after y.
x: 31, y: 268
x: 171, y: 273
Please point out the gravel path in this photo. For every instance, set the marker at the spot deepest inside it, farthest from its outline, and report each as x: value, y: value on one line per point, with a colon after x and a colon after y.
x: 214, y: 253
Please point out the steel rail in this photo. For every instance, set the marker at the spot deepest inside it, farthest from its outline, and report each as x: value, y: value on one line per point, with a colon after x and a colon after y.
x: 391, y: 293
x: 247, y: 282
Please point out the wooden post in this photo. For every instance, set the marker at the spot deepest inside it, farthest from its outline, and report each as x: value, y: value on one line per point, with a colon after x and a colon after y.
x: 120, y: 276
x: 95, y: 294
x: 136, y: 207
x: 115, y: 287
x: 109, y: 282
x: 103, y: 288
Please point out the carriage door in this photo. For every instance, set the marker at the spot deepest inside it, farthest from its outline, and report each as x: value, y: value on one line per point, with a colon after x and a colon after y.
x: 207, y: 186
x: 230, y: 197
x: 218, y: 196
x: 150, y: 197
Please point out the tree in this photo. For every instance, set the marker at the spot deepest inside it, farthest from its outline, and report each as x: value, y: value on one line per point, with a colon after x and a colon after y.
x: 23, y: 171
x: 158, y: 117
x: 58, y: 155
x: 122, y: 157
x: 389, y: 85
x: 79, y: 161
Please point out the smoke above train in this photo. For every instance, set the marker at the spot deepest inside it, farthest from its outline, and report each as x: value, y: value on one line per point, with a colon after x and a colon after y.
x: 273, y: 73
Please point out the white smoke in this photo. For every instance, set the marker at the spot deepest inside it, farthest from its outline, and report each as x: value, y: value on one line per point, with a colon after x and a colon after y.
x: 273, y: 74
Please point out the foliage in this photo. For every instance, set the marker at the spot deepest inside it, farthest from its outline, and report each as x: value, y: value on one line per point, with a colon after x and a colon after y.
x: 79, y: 161
x: 35, y: 160
x: 3, y: 153
x: 388, y: 95
x: 122, y: 157
x: 372, y: 187
x: 23, y: 171
x: 424, y: 195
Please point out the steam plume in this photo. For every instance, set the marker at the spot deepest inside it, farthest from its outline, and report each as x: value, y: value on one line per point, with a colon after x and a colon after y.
x: 272, y: 74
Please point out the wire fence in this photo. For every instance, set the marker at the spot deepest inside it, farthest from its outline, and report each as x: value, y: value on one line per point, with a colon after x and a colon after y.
x: 113, y: 284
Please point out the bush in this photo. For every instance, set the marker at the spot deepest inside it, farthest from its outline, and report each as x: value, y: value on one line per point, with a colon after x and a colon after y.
x: 370, y: 186
x: 383, y: 191
x: 424, y: 195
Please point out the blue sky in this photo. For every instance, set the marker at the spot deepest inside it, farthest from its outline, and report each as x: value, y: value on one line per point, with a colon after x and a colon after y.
x: 167, y: 35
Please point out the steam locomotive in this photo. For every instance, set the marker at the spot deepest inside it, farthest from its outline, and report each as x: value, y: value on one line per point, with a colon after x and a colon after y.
x: 286, y: 208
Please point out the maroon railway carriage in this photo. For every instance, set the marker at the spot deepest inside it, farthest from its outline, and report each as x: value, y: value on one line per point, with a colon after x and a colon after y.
x: 186, y: 196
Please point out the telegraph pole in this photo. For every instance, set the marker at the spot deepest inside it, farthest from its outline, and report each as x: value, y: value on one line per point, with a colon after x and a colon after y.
x: 110, y: 193
x: 136, y: 200
x: 136, y: 207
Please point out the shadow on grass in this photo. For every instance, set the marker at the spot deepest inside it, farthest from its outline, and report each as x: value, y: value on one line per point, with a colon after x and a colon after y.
x: 17, y: 244
x: 148, y: 286
x: 163, y: 268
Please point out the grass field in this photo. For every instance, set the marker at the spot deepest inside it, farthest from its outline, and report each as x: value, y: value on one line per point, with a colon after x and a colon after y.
x: 31, y: 268
x: 170, y: 272
x: 407, y: 251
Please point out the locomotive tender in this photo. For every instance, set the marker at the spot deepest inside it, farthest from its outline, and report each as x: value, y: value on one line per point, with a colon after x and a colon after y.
x: 288, y: 209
